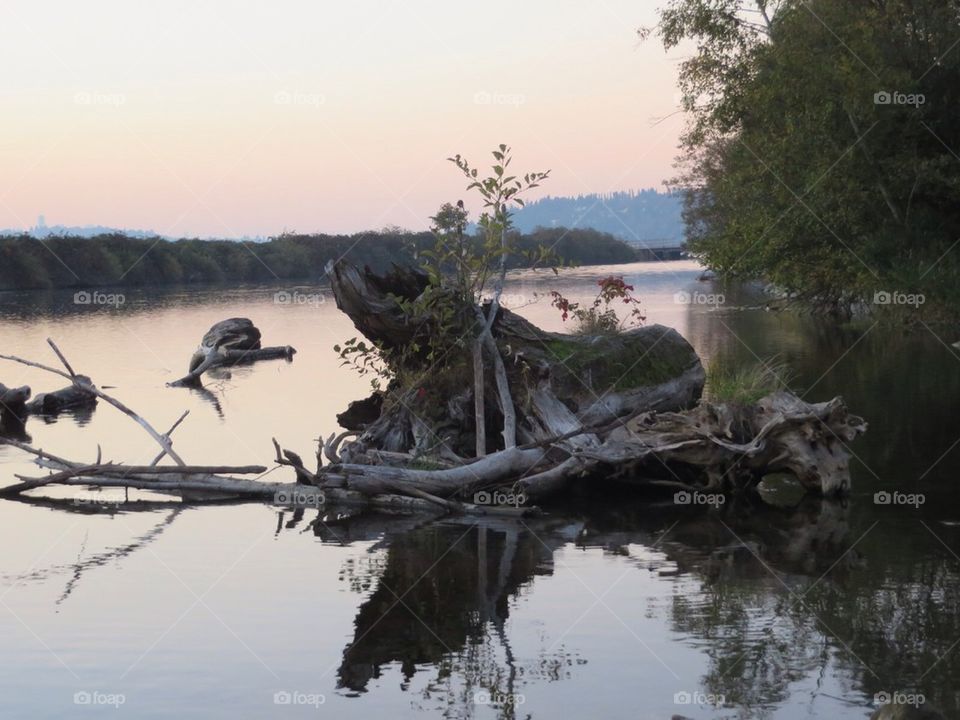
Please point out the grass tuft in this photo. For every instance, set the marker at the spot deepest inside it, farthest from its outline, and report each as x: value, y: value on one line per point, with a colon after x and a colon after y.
x: 744, y: 383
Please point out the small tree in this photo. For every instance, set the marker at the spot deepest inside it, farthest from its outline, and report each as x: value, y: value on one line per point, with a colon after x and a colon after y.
x: 458, y: 268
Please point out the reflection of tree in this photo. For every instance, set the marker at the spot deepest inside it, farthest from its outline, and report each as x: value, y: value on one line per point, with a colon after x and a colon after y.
x: 441, y: 597
x: 78, y: 569
x: 775, y: 596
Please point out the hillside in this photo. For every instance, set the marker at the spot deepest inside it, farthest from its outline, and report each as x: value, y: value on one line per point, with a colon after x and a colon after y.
x: 646, y: 217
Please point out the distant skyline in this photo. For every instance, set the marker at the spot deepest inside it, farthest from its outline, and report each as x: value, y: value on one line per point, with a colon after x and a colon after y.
x: 245, y: 119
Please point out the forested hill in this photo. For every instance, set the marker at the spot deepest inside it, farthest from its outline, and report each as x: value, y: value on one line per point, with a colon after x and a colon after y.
x: 644, y: 217
x: 117, y: 260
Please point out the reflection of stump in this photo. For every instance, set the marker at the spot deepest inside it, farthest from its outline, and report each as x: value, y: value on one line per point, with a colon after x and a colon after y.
x: 450, y: 590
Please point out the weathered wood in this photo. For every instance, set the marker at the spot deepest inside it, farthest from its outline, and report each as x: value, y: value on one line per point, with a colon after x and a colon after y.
x: 596, y: 378
x: 360, y: 413
x: 132, y: 471
x: 83, y: 383
x: 73, y: 396
x: 167, y: 435
x: 479, y: 417
x: 13, y: 400
x: 233, y: 341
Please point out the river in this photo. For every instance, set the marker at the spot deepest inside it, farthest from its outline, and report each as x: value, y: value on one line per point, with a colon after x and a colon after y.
x: 145, y: 607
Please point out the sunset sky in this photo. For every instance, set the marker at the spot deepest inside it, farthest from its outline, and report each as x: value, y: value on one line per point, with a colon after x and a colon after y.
x: 249, y: 118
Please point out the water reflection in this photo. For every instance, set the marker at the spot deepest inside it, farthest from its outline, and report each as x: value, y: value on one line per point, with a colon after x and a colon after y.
x: 773, y: 597
x: 801, y: 611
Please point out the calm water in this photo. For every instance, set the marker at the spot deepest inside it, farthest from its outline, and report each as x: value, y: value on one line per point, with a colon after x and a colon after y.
x: 620, y: 609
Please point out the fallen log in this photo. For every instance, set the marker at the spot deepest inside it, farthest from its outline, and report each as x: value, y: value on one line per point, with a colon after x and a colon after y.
x: 84, y: 383
x: 235, y: 341
x: 73, y: 396
x: 147, y: 472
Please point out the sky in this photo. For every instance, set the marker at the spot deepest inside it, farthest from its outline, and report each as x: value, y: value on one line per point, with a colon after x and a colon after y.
x: 242, y: 118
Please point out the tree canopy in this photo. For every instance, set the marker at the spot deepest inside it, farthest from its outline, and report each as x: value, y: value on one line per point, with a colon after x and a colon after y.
x: 822, y: 152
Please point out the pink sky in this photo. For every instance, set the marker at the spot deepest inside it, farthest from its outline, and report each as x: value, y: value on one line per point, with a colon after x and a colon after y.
x: 226, y: 119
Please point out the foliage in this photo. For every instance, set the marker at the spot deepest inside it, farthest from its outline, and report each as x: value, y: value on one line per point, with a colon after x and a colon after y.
x: 500, y: 193
x: 365, y: 360
x: 803, y: 164
x: 599, y: 318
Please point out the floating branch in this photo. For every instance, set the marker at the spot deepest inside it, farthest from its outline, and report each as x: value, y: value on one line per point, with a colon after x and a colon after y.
x: 82, y: 382
x: 235, y: 341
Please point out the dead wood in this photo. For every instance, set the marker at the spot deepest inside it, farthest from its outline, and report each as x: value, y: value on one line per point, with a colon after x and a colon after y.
x: 235, y: 341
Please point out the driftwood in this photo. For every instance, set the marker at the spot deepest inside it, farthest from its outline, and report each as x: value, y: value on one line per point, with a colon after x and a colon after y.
x: 235, y: 341
x: 609, y: 408
x: 83, y: 383
x: 14, y: 400
x: 153, y: 477
x: 73, y: 396
x: 206, y: 482
x: 597, y: 409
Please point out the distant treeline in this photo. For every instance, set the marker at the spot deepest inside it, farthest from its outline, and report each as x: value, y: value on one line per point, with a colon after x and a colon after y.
x: 118, y: 260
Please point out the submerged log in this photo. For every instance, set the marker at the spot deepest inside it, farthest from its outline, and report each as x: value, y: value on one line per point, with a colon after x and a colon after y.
x: 234, y: 341
x: 68, y: 398
x: 13, y: 400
